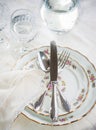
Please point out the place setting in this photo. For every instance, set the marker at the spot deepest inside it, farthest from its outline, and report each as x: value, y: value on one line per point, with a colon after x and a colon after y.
x: 69, y: 83
x: 47, y: 75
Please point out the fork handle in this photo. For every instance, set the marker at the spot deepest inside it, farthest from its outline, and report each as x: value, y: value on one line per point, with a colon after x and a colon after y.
x: 54, y: 110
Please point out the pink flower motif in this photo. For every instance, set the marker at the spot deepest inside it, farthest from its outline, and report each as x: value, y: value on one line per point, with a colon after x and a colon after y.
x: 46, y: 51
x: 68, y: 62
x: 92, y: 78
x: 80, y: 98
x: 63, y: 119
x: 49, y: 86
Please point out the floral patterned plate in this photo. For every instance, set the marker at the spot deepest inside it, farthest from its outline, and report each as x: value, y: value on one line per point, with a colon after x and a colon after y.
x: 76, y: 82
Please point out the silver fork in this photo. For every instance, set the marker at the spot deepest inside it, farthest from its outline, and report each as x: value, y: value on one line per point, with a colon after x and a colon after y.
x: 61, y: 64
x: 63, y: 58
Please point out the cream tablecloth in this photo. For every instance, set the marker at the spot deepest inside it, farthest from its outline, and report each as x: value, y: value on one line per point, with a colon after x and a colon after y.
x: 82, y: 38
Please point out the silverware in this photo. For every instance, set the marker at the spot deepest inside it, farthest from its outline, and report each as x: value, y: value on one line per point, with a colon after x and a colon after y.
x: 64, y: 102
x: 63, y: 59
x: 38, y: 104
x: 62, y: 62
x: 53, y: 80
x: 43, y: 61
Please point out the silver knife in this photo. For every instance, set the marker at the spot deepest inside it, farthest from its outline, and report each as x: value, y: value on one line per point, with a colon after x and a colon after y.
x: 64, y: 102
x: 38, y: 104
x: 53, y: 80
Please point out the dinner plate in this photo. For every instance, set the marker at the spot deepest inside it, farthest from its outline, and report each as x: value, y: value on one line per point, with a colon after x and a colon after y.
x: 73, y: 83
x: 77, y: 83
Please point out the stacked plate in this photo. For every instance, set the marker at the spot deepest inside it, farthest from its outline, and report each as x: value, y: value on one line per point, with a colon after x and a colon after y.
x: 77, y: 82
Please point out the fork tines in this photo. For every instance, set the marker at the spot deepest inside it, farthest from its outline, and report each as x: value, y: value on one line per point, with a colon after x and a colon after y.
x: 63, y: 58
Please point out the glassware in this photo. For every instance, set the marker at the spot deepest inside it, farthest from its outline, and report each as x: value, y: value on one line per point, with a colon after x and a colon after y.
x: 23, y: 27
x: 4, y: 19
x: 60, y: 15
x: 4, y: 13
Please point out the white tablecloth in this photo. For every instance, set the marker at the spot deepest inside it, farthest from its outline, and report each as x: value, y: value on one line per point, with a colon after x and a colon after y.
x: 82, y: 38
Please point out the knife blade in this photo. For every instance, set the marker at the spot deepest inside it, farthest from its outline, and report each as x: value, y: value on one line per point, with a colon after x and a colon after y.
x: 53, y: 80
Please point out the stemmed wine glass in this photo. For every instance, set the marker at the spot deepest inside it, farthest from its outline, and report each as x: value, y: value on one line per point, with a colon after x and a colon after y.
x: 23, y: 28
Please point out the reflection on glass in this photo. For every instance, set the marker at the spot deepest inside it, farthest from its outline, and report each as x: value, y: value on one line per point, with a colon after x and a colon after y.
x: 60, y: 15
x: 4, y: 15
x: 4, y: 18
x: 23, y: 26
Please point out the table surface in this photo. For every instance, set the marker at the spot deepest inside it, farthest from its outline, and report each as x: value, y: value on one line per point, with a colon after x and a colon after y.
x: 81, y: 38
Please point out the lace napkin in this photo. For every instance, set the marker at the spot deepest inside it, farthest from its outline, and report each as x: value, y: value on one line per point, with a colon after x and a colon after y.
x: 17, y: 89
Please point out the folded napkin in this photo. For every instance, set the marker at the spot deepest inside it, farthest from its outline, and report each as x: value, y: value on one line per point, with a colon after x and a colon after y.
x: 17, y: 89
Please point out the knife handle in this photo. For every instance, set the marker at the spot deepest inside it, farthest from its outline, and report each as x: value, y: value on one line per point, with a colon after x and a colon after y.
x: 54, y: 110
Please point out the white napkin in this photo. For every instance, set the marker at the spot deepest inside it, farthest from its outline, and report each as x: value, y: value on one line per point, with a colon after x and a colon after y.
x: 17, y: 89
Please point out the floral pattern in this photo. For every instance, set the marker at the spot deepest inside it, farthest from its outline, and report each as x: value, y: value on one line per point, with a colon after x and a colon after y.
x: 92, y: 78
x: 65, y: 118
x: 46, y: 51
x: 80, y: 97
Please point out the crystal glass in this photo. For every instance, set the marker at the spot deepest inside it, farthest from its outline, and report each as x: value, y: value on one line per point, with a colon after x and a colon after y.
x: 4, y: 19
x: 60, y: 15
x: 4, y: 15
x: 23, y: 27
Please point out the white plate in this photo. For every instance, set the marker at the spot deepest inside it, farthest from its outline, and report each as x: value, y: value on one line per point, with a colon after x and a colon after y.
x: 77, y: 83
